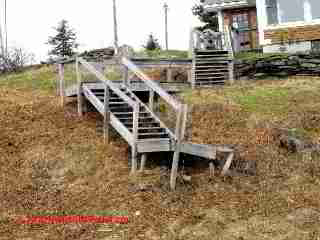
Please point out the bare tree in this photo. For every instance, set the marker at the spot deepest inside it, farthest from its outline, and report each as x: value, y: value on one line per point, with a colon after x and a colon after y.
x: 15, y: 60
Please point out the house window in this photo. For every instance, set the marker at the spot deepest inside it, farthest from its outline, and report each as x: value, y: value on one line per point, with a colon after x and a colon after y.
x: 315, y: 8
x: 291, y: 10
x: 286, y: 11
x: 240, y: 21
x: 272, y: 11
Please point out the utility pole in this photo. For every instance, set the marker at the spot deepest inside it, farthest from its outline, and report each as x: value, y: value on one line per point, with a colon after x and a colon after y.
x: 116, y: 46
x: 165, y: 6
x: 5, y: 25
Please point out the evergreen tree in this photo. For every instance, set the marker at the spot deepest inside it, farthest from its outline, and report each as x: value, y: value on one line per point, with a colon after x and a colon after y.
x: 64, y: 42
x: 152, y: 44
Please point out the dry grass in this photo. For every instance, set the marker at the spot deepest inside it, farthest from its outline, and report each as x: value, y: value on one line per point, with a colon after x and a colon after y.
x: 52, y: 160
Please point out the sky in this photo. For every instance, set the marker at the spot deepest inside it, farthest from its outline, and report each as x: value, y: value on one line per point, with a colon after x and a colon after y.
x: 31, y: 22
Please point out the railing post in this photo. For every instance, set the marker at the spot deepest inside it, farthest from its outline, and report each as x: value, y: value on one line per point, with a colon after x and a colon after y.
x: 106, y: 115
x: 151, y: 99
x: 135, y: 126
x: 231, y: 71
x: 176, y: 155
x: 61, y: 83
x: 193, y: 72
x: 79, y: 96
x: 169, y: 75
x: 126, y: 76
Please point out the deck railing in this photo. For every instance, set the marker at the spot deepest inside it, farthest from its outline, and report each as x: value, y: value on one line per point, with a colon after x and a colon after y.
x: 108, y: 85
x: 180, y: 110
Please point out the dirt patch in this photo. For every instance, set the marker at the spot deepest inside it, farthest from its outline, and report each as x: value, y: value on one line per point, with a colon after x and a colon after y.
x: 51, y: 160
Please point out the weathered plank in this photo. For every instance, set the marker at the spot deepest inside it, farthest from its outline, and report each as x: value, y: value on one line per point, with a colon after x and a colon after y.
x: 152, y: 84
x: 62, y: 84
x: 227, y: 164
x: 176, y: 155
x: 103, y: 79
x: 154, y: 145
x: 79, y: 92
x: 151, y: 99
x: 135, y: 126
x: 201, y: 150
x: 231, y: 72
x: 106, y: 115
x: 143, y: 162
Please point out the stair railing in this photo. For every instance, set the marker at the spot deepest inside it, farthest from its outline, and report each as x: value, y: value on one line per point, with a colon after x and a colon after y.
x: 180, y: 109
x: 155, y: 88
x: 109, y: 85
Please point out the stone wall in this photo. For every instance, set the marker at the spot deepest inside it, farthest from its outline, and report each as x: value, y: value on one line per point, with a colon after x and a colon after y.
x: 279, y: 65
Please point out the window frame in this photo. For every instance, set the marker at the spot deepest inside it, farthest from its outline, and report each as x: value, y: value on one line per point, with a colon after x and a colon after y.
x: 308, y: 18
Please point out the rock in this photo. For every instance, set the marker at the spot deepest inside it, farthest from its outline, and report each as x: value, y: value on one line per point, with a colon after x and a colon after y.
x: 186, y: 178
x: 292, y: 144
x: 152, y: 235
x: 308, y: 65
x: 260, y: 75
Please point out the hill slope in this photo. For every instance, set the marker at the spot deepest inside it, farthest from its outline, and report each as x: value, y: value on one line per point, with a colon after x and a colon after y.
x: 53, y: 161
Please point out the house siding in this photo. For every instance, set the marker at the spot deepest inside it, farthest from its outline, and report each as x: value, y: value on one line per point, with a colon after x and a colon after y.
x: 253, y: 23
x: 293, y: 34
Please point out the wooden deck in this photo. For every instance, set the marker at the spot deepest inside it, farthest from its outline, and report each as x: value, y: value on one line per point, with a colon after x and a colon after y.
x: 135, y: 120
x: 72, y: 90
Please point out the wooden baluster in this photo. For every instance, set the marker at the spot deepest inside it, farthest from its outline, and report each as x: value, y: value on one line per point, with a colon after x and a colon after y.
x: 135, y: 138
x: 151, y: 100
x: 106, y: 115
x: 176, y: 155
x: 61, y: 83
x: 79, y: 95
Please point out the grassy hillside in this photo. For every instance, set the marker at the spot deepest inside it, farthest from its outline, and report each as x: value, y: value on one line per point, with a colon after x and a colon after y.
x: 51, y: 160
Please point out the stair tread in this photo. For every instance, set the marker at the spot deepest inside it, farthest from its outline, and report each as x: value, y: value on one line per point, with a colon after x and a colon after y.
x: 213, y: 55
x: 127, y: 113
x: 210, y: 70
x: 209, y: 82
x: 155, y: 133
x: 205, y: 78
x: 211, y: 73
x: 153, y: 139
x: 147, y: 128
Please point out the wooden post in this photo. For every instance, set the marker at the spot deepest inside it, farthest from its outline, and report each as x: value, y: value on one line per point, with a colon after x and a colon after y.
x: 169, y: 75
x: 126, y: 76
x: 211, y: 169
x: 184, y: 120
x: 189, y: 72
x: 143, y: 162
x: 61, y: 83
x: 135, y: 138
x: 176, y: 155
x: 151, y: 99
x: 106, y: 115
x: 193, y: 72
x: 231, y: 72
x: 79, y: 96
x: 227, y: 164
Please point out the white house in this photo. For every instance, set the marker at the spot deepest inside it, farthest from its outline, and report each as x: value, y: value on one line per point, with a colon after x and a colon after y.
x: 274, y: 25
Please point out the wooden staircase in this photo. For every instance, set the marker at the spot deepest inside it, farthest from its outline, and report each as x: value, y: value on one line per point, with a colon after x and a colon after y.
x: 137, y: 123
x: 152, y: 134
x: 211, y: 67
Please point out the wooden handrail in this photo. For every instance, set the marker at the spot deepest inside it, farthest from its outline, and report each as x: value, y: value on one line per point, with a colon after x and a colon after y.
x: 152, y: 114
x: 107, y: 82
x: 151, y: 84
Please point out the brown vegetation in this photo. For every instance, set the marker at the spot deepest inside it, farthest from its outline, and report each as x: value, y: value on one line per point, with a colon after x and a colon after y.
x: 52, y: 160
